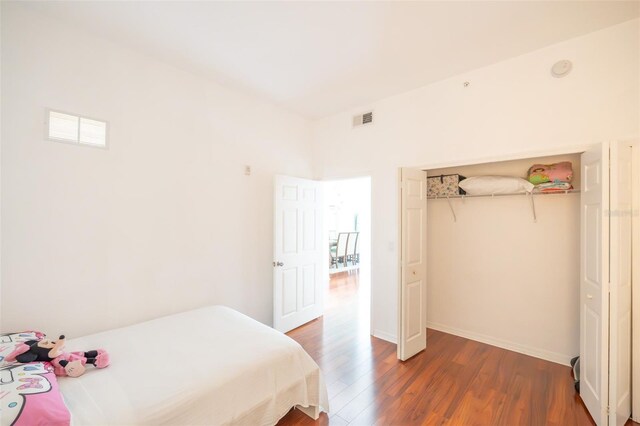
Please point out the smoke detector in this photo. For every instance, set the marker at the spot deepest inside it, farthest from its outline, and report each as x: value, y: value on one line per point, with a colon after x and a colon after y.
x: 561, y: 68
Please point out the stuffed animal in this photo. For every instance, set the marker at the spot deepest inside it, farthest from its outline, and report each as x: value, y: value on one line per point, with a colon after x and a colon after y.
x: 70, y: 364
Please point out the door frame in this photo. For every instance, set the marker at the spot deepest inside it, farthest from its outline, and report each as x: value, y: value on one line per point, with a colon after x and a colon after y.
x: 325, y: 255
x: 635, y: 283
x: 635, y: 323
x: 325, y: 271
x: 509, y: 157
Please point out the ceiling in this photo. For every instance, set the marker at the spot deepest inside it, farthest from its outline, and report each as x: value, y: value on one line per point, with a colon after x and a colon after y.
x: 319, y: 58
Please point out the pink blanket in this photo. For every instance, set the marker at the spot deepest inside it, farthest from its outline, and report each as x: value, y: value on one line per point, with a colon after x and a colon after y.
x: 29, y: 394
x: 555, y: 173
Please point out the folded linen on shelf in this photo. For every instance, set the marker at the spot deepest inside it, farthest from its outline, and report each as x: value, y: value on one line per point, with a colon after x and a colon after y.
x: 553, y: 187
x: 544, y: 173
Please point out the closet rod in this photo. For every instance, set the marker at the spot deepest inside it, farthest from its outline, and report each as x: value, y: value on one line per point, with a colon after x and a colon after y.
x: 572, y: 191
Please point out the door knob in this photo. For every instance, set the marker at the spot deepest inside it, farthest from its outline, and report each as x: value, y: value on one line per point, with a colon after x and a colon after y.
x: 589, y: 296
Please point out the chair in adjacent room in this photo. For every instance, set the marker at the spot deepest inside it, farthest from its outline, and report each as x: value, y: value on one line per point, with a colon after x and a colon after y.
x: 339, y: 251
x: 352, y: 243
x: 356, y: 251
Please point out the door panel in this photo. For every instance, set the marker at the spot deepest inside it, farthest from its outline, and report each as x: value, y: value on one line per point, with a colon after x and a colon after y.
x: 289, y: 192
x: 289, y: 231
x: 309, y: 229
x: 289, y: 291
x: 308, y: 285
x: 413, y: 263
x: 591, y: 360
x: 593, y: 218
x: 414, y: 293
x: 297, y: 293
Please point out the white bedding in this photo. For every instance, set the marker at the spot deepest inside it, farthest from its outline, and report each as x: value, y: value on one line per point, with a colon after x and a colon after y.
x: 209, y: 366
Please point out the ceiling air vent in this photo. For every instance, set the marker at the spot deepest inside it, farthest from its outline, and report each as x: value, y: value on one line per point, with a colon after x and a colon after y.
x: 362, y: 119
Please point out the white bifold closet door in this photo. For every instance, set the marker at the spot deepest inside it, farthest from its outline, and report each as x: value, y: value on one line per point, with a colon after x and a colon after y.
x: 620, y: 289
x: 297, y: 265
x: 605, y: 288
x: 413, y: 263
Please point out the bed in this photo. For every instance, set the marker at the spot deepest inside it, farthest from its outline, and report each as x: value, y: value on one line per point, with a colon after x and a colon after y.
x: 208, y: 366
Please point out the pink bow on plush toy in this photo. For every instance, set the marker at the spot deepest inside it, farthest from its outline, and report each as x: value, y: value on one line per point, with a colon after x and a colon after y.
x: 70, y: 364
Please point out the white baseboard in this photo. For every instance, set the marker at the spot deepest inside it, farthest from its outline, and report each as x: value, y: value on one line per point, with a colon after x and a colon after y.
x: 489, y: 340
x: 385, y: 336
x: 504, y: 344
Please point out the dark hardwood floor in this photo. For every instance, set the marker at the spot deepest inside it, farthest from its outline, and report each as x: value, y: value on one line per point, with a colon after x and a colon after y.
x: 456, y: 381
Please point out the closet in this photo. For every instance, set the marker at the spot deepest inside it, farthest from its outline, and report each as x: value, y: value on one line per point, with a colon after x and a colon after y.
x: 528, y: 272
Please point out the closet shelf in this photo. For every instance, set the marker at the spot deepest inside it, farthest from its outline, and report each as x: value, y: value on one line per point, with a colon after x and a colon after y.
x: 528, y: 194
x: 571, y: 191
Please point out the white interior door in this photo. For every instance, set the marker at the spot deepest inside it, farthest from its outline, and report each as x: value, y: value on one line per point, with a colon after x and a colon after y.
x: 594, y: 285
x: 297, y: 264
x: 605, y: 290
x: 413, y: 263
x: 620, y: 285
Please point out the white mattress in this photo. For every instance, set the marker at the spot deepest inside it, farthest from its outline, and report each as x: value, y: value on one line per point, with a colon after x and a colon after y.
x: 208, y: 366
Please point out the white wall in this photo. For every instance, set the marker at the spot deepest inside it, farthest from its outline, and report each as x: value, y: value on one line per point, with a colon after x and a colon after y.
x: 163, y: 221
x: 509, y: 108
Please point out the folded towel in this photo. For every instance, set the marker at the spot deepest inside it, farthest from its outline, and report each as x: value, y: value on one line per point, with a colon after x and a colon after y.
x: 553, y: 187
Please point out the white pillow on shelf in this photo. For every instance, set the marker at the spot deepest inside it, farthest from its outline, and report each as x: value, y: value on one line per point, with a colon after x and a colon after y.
x: 489, y: 185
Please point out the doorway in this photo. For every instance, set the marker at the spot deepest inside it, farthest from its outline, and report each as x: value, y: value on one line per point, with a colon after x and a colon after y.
x: 347, y: 241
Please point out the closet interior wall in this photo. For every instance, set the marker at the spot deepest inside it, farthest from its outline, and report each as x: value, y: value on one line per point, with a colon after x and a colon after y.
x: 496, y: 276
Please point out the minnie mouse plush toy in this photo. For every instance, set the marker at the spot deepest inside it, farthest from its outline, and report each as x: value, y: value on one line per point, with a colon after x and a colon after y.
x: 70, y: 364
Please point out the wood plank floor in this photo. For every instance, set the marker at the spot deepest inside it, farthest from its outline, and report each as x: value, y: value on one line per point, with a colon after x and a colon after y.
x: 456, y: 381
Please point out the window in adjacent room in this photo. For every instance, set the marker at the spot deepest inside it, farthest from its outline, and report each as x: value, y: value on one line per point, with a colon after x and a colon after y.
x: 63, y: 127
